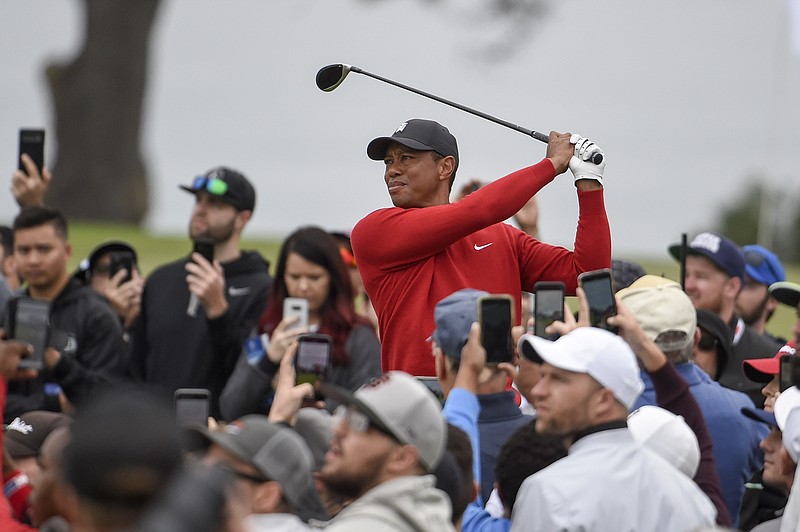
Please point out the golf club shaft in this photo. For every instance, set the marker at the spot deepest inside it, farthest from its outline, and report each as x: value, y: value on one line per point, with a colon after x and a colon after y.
x: 535, y: 134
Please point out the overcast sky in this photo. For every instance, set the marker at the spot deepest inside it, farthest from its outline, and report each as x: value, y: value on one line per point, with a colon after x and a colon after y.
x: 689, y: 99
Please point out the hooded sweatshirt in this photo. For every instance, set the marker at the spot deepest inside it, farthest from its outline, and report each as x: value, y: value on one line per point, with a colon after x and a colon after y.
x: 172, y: 350
x: 405, y: 504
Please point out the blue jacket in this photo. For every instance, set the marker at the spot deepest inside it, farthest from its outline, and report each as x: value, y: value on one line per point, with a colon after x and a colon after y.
x: 736, y: 437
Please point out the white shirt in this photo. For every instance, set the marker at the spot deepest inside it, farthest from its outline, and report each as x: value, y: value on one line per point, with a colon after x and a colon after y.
x: 609, y: 483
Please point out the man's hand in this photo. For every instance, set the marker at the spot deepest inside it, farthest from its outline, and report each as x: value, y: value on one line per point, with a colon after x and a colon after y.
x: 207, y: 282
x: 288, y: 396
x: 11, y: 352
x: 588, y: 176
x: 645, y: 349
x: 560, y: 150
x: 28, y: 187
x: 473, y: 360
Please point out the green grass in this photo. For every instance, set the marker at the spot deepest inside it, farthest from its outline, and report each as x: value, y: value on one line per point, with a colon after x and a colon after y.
x: 152, y: 249
x: 155, y: 250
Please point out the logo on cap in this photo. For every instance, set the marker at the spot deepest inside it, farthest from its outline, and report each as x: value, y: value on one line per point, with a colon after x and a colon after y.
x: 401, y: 127
x: 707, y: 241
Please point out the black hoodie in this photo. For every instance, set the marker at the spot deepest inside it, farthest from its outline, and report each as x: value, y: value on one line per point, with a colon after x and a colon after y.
x: 171, y: 350
x: 88, y: 334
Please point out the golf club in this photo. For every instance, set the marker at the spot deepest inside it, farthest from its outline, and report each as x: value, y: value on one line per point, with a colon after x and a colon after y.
x: 331, y: 76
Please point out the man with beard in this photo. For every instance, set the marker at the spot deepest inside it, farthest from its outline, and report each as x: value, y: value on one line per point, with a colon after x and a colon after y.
x: 196, y: 314
x: 388, y: 437
x: 755, y: 304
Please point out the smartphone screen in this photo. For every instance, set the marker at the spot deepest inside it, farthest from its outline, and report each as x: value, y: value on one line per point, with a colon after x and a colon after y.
x: 313, y: 357
x: 121, y: 260
x: 495, y: 315
x: 548, y: 307
x: 296, y: 307
x: 191, y: 406
x: 600, y: 295
x: 785, y: 372
x: 31, y: 142
x: 29, y: 322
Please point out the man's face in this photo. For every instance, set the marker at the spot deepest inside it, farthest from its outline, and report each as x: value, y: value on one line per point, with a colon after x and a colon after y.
x: 412, y: 176
x: 212, y: 218
x: 245, y: 485
x: 41, y: 256
x: 776, y: 472
x: 353, y: 464
x: 706, y: 284
x: 751, y: 303
x: 562, y: 401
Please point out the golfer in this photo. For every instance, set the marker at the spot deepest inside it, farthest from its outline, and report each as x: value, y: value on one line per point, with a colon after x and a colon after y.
x: 425, y: 248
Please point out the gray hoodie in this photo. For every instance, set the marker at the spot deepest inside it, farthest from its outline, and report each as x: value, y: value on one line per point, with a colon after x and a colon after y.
x: 406, y: 504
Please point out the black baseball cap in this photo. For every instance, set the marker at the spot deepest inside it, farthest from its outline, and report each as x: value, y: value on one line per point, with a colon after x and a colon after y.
x: 417, y: 134
x: 228, y: 185
x: 111, y: 246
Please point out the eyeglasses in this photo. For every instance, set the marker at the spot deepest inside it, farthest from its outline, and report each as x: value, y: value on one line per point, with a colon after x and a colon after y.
x: 707, y: 342
x: 356, y: 421
x: 212, y: 185
x: 247, y: 476
x: 756, y: 259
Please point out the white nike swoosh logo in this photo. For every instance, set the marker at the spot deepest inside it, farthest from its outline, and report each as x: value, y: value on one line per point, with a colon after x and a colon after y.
x: 478, y: 248
x: 233, y: 291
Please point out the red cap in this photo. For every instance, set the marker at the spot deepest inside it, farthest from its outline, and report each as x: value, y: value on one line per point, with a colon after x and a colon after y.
x: 764, y: 369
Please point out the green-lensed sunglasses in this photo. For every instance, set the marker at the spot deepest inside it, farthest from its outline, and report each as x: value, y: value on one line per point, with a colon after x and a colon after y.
x: 212, y: 185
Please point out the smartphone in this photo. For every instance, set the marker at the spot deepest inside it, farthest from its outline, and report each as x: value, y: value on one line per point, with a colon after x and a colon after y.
x: 313, y: 359
x: 599, y: 290
x: 526, y: 310
x: 191, y: 406
x: 296, y: 306
x: 787, y: 369
x: 121, y: 260
x: 548, y: 306
x: 28, y: 320
x: 204, y: 247
x: 31, y: 141
x: 496, y: 315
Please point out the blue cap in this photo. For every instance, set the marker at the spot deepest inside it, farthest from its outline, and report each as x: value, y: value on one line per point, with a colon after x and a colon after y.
x: 762, y: 265
x: 720, y: 250
x: 453, y: 316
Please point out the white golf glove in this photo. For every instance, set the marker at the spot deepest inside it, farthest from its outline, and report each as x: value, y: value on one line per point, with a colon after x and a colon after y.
x: 581, y: 164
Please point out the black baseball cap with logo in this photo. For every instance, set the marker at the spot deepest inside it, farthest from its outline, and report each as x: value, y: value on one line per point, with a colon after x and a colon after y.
x: 417, y: 134
x: 229, y: 185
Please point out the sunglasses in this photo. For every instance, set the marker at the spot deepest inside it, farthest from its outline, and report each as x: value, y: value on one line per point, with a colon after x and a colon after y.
x: 212, y: 185
x: 248, y: 477
x: 756, y: 259
x: 707, y: 342
x: 356, y: 421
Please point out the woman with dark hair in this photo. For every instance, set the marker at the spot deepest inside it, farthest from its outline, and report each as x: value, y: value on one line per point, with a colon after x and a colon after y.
x: 309, y: 267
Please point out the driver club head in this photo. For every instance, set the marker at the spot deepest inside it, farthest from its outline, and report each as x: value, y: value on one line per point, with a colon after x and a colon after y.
x: 331, y: 76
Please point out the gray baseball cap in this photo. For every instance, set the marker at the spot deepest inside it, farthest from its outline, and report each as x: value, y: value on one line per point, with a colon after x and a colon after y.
x: 279, y: 454
x: 402, y: 406
x: 454, y: 316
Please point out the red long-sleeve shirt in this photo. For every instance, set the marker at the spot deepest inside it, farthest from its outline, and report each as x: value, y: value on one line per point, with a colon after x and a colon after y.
x: 410, y: 259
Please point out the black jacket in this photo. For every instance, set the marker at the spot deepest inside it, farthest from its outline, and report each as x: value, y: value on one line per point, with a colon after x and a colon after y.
x: 750, y: 345
x: 171, y: 350
x: 87, y: 332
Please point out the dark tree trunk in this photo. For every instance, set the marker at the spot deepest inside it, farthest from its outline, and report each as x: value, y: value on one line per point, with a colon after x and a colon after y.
x: 99, y: 173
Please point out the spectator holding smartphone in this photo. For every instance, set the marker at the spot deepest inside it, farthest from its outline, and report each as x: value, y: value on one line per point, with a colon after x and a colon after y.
x: 310, y: 267
x: 121, y: 287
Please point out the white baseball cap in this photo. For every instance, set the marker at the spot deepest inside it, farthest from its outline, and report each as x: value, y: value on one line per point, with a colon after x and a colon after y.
x: 600, y: 354
x: 668, y: 436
